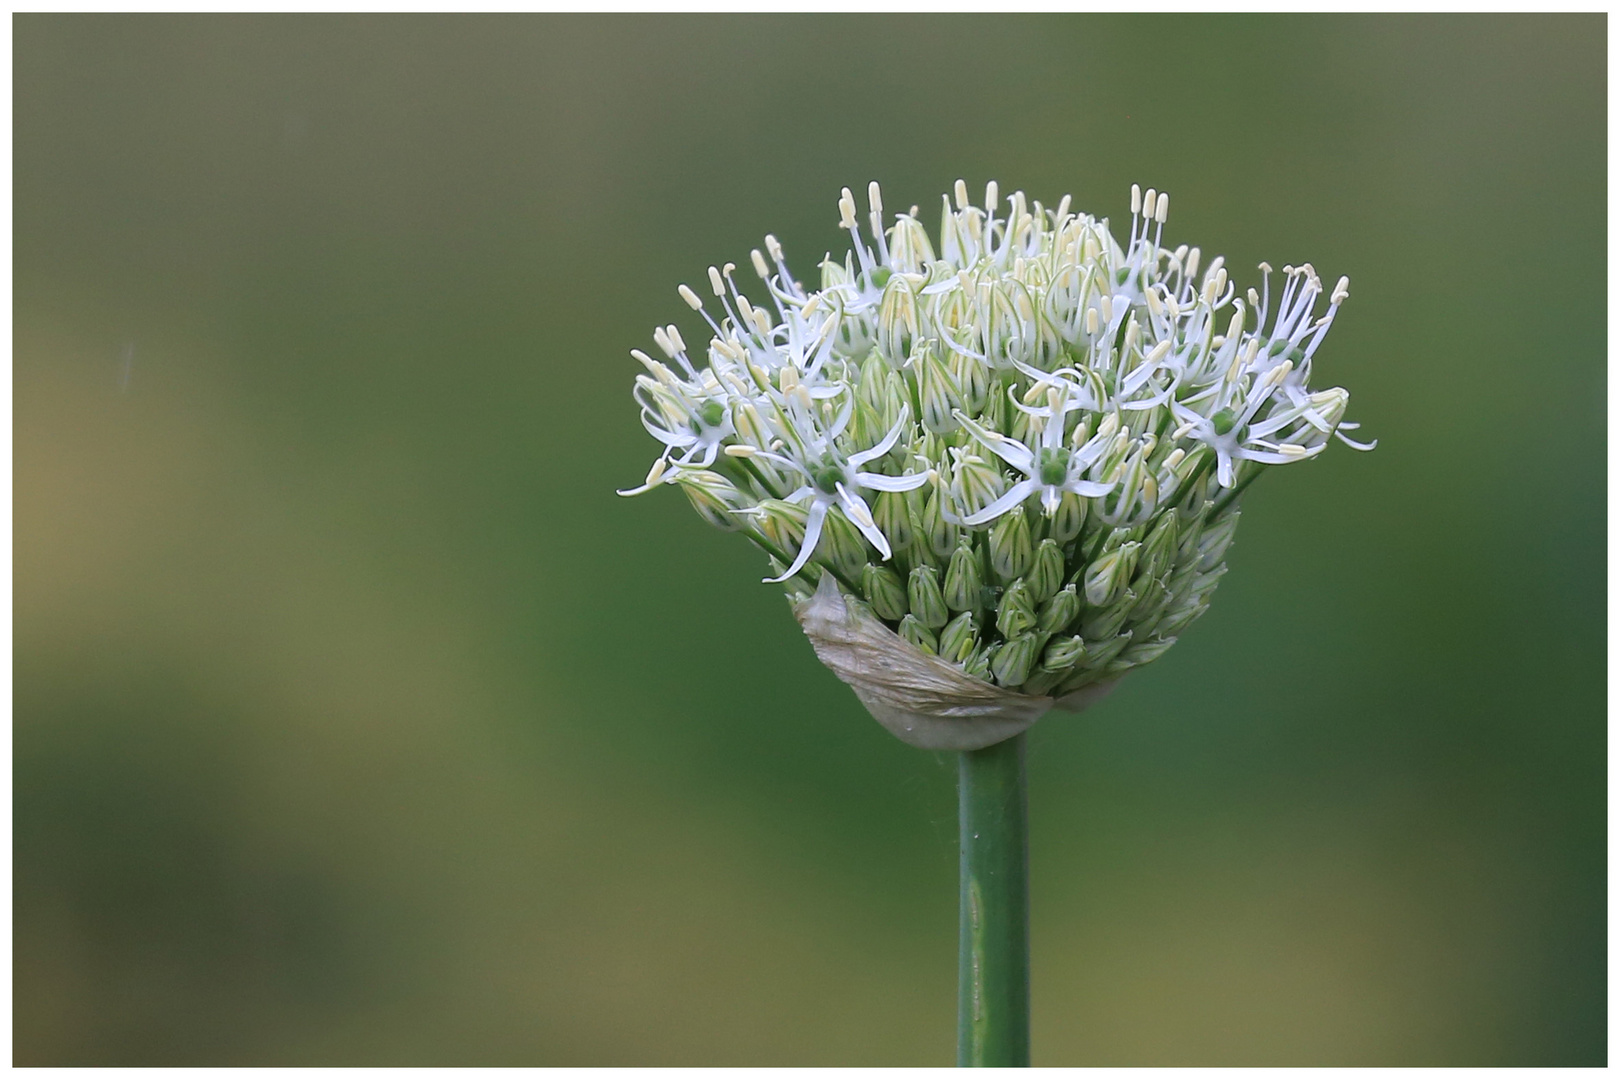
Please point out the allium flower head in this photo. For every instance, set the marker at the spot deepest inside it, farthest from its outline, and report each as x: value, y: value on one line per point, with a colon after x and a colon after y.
x: 1019, y: 444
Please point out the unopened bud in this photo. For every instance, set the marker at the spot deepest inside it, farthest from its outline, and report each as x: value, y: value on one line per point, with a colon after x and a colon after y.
x: 919, y: 635
x: 1012, y: 662
x: 1098, y: 624
x: 843, y: 544
x: 1064, y: 653
x: 1016, y: 612
x: 931, y: 527
x: 1106, y: 578
x: 964, y: 586
x: 959, y: 639
x: 884, y: 591
x: 1144, y: 652
x: 937, y: 393
x: 1214, y: 541
x: 893, y: 516
x: 1099, y: 654
x: 923, y: 596
x: 715, y: 498
x: 1070, y: 517
x: 1011, y: 548
x: 1045, y: 576
x: 1159, y: 549
x: 1059, y: 611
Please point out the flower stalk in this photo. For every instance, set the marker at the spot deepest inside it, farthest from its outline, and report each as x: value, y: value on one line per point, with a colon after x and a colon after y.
x: 992, y: 1008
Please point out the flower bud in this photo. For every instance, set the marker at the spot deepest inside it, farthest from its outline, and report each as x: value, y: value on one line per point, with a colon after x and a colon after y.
x: 1159, y: 549
x: 938, y: 535
x: 1069, y: 519
x: 1144, y: 652
x: 919, y: 635
x: 715, y: 498
x: 1099, y: 624
x: 884, y: 591
x: 1064, y: 653
x: 1059, y: 611
x: 922, y: 593
x: 964, y: 587
x: 972, y: 380
x: 1011, y: 550
x: 1016, y: 613
x: 1100, y: 654
x: 978, y: 665
x: 1045, y: 576
x: 1179, y: 618
x: 1013, y: 660
x: 976, y: 483
x: 842, y: 544
x: 781, y: 523
x: 937, y: 394
x: 891, y: 514
x: 959, y: 639
x: 1216, y: 538
x: 1107, y: 577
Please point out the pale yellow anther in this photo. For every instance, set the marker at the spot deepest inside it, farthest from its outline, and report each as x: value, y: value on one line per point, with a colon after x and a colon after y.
x: 760, y: 266
x: 1149, y: 201
x: 1063, y: 208
x: 1235, y: 328
x: 1341, y: 291
x: 1054, y: 401
x: 846, y: 209
x: 991, y: 191
x: 675, y: 338
x: 690, y: 297
x: 716, y: 283
x: 1265, y: 268
x: 1176, y: 456
x: 763, y: 321
x: 1158, y: 352
x: 739, y: 450
x: 773, y: 246
x: 874, y: 197
x: 1105, y: 308
x: 1192, y: 263
x: 1091, y: 322
x: 661, y: 339
x: 961, y: 195
x: 656, y: 473
x: 1154, y: 304
x: 1162, y: 211
x: 787, y: 378
x: 1136, y: 200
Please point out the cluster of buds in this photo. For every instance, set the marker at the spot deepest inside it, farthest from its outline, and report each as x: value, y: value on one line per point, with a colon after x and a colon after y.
x: 1022, y: 449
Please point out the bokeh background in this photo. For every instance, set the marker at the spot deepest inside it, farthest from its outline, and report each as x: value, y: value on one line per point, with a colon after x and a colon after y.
x: 359, y: 722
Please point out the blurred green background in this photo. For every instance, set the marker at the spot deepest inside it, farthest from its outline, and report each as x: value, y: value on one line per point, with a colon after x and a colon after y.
x: 358, y: 722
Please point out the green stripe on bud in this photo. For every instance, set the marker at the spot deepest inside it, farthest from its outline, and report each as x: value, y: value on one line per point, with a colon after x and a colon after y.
x: 938, y: 535
x: 923, y: 595
x: 964, y: 586
x: 893, y: 517
x: 1045, y: 576
x: 1069, y: 519
x: 1216, y: 538
x: 1012, y: 662
x: 1064, y: 653
x: 1099, y: 624
x: 937, y: 394
x: 1106, y: 578
x: 1159, y: 549
x: 1012, y: 550
x: 715, y: 498
x: 919, y: 635
x: 884, y: 591
x: 1098, y: 655
x: 842, y: 544
x: 960, y: 639
x: 1059, y: 611
x: 1016, y: 612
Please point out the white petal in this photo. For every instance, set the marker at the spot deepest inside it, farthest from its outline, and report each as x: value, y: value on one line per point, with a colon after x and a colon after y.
x: 812, y: 534
x: 1018, y: 494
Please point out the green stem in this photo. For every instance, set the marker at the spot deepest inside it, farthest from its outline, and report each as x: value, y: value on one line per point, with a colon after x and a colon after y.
x: 992, y: 1019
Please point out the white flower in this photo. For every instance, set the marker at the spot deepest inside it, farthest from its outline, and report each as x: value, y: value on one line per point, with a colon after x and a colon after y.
x: 1026, y: 358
